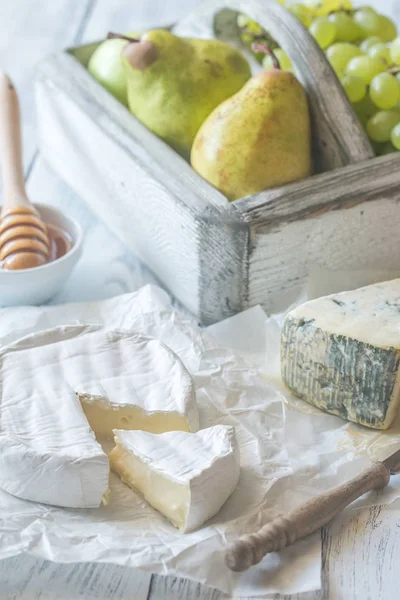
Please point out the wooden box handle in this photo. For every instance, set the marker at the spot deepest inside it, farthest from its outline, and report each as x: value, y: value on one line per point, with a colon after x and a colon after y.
x: 311, y: 516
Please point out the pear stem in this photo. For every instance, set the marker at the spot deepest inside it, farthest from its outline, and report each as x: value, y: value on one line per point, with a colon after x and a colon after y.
x: 120, y: 36
x: 258, y: 47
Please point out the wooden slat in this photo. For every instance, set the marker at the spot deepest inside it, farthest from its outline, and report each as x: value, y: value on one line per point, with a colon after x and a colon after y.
x: 28, y: 578
x: 362, y: 240
x: 316, y: 195
x: 28, y: 32
x: 173, y: 588
x: 361, y: 555
x: 345, y: 220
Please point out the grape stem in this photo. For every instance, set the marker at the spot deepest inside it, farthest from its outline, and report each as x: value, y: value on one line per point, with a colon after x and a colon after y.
x: 263, y: 37
x: 120, y: 36
x: 348, y: 12
x: 258, y: 47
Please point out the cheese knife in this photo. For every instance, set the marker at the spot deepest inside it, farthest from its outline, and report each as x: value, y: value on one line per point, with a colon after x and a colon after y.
x: 309, y: 517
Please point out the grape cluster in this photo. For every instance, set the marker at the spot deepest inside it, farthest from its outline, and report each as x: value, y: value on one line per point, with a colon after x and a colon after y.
x: 364, y: 51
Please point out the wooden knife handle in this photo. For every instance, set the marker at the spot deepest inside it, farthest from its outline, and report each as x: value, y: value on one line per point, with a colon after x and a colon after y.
x: 311, y: 516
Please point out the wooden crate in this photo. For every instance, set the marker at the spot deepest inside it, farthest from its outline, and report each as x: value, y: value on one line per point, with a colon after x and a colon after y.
x: 218, y: 257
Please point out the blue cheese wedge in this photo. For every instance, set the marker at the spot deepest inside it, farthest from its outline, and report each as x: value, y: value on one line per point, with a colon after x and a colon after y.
x: 342, y: 353
x: 62, y: 388
x: 185, y: 476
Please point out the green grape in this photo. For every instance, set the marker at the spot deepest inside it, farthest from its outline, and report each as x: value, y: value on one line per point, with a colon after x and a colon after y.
x: 387, y: 29
x: 395, y: 51
x: 379, y: 127
x: 340, y: 54
x: 302, y: 12
x: 259, y: 56
x: 267, y: 62
x: 369, y: 42
x: 347, y: 29
x: 283, y: 59
x: 324, y: 31
x: 369, y: 9
x: 354, y: 87
x: 365, y: 109
x: 380, y: 51
x: 247, y: 38
x: 384, y: 91
x: 368, y: 21
x: 322, y: 8
x: 244, y: 22
x: 395, y: 136
x: 365, y: 67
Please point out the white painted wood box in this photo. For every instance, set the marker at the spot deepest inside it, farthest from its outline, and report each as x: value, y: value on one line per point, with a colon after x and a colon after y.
x: 218, y: 257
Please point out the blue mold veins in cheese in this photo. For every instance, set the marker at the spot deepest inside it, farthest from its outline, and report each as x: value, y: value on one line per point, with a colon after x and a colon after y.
x: 341, y: 353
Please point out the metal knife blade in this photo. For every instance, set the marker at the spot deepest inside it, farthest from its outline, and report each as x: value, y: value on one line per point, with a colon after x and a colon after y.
x: 392, y: 462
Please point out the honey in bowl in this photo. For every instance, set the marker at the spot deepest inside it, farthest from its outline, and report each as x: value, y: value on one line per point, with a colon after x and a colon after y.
x: 60, y: 242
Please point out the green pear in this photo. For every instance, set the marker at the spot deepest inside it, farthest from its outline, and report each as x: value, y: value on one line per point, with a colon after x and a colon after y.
x: 175, y: 83
x: 105, y: 66
x: 258, y: 139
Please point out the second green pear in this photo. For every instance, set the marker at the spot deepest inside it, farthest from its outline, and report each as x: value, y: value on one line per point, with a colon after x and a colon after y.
x: 258, y: 139
x: 175, y: 83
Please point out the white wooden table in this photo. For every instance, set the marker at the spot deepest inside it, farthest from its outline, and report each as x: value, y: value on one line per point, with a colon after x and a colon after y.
x: 361, y: 548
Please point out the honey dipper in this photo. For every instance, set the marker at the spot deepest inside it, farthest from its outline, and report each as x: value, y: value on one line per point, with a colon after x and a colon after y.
x: 24, y: 240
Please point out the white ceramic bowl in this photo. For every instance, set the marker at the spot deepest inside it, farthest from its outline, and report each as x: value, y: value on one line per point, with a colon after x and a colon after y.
x: 36, y: 286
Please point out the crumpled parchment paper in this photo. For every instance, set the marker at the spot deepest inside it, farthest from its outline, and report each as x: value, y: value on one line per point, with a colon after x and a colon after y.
x: 129, y: 532
x: 290, y: 452
x: 327, y: 448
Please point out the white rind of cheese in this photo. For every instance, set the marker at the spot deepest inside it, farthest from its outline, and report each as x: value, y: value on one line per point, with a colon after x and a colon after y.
x: 369, y: 314
x: 185, y: 476
x: 342, y: 353
x: 48, y: 449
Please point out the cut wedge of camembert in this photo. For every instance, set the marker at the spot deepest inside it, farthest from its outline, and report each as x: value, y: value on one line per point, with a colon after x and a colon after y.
x: 342, y: 353
x: 61, y: 387
x: 185, y: 476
